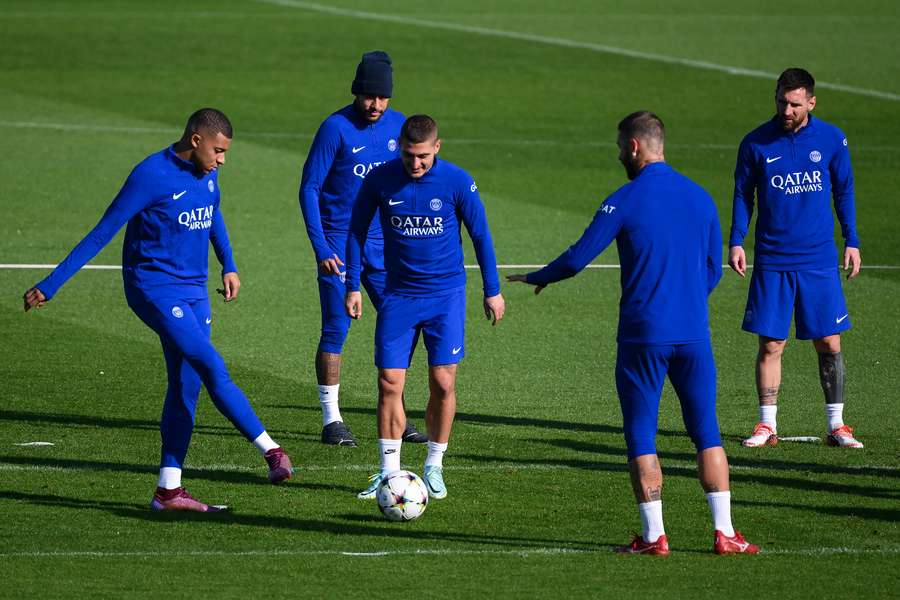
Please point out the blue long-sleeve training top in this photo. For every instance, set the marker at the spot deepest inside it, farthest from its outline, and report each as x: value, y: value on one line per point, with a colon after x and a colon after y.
x: 172, y: 211
x: 793, y: 177
x: 346, y: 148
x: 421, y: 219
x: 669, y: 239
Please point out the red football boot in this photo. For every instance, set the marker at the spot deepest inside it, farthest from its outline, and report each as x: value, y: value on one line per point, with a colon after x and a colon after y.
x: 638, y: 546
x: 733, y: 545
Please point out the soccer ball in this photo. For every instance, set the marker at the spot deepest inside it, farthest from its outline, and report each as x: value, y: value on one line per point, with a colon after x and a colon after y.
x: 402, y: 496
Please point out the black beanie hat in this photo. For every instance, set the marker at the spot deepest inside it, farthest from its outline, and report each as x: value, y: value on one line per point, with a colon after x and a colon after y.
x: 374, y: 75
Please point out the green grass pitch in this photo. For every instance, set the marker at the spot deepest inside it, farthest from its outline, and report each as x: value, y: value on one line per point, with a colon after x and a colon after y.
x: 536, y: 470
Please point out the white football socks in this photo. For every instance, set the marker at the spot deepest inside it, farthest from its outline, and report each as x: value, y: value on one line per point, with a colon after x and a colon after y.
x: 652, y: 520
x: 435, y: 457
x: 169, y: 478
x: 720, y: 507
x: 264, y: 443
x: 328, y: 398
x: 835, y: 414
x: 390, y: 455
x: 767, y: 414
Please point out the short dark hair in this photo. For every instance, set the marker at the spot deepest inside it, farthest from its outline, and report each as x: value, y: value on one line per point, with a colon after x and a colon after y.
x: 210, y: 120
x: 643, y: 125
x: 418, y: 129
x: 794, y: 78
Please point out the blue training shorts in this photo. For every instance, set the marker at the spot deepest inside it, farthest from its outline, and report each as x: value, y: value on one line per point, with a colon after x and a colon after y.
x: 814, y: 297
x: 335, y: 321
x: 640, y: 373
x: 441, y: 320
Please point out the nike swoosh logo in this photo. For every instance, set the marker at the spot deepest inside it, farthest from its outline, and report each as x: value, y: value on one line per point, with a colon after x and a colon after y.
x: 355, y: 149
x: 771, y: 160
x: 177, y: 196
x: 395, y: 202
x: 839, y: 319
x: 456, y: 350
x: 208, y: 320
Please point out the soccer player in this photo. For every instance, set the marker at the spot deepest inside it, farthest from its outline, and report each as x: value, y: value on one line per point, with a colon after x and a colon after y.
x: 421, y: 202
x: 171, y: 204
x: 667, y: 232
x: 794, y: 164
x: 349, y: 144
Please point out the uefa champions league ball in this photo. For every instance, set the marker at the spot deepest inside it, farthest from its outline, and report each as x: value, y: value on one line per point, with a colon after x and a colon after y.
x: 402, y: 496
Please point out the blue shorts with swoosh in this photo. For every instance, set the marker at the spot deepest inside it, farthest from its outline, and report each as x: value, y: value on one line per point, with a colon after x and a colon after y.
x: 641, y: 371
x: 813, y: 296
x: 441, y: 319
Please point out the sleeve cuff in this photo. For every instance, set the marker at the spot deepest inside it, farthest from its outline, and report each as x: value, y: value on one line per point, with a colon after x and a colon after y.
x: 735, y: 240
x: 229, y: 267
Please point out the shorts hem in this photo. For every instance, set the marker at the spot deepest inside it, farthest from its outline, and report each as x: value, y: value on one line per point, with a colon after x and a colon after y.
x: 760, y: 332
x: 816, y: 336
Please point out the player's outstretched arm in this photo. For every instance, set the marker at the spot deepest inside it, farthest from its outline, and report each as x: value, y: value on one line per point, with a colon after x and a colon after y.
x: 130, y: 200
x: 524, y: 279
x: 852, y: 261
x: 737, y: 260
x: 494, y: 308
x: 353, y: 304
x: 231, y: 285
x: 34, y: 298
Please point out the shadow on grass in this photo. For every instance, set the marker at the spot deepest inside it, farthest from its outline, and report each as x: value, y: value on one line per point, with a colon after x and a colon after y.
x: 349, y: 524
x: 891, y: 515
x: 138, y: 424
x: 478, y: 419
x: 737, y: 461
x: 238, y: 477
x: 798, y: 483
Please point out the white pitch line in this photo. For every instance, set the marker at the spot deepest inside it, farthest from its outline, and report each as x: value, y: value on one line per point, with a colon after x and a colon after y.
x: 51, y: 266
x: 308, y: 136
x: 504, y: 266
x: 568, y: 43
x: 522, y: 552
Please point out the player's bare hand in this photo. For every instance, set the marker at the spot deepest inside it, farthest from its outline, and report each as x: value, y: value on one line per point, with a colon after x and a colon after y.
x: 737, y: 260
x: 523, y: 278
x: 494, y: 308
x: 331, y: 266
x: 34, y: 298
x: 852, y: 261
x: 353, y: 304
x: 231, y: 285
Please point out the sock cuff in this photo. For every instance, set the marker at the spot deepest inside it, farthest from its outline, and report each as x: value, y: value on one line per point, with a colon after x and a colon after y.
x: 329, y: 389
x: 712, y: 495
x: 650, y: 504
x: 442, y: 447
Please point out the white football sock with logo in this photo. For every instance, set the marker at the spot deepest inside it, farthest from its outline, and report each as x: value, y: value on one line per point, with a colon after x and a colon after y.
x: 435, y: 457
x: 652, y: 520
x: 767, y: 413
x: 835, y: 414
x: 720, y: 507
x: 390, y: 455
x: 328, y: 398
x: 169, y: 478
x: 264, y: 443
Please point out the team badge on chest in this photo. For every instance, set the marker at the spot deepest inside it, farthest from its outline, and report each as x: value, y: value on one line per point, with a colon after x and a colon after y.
x: 815, y: 156
x: 210, y: 185
x: 435, y: 204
